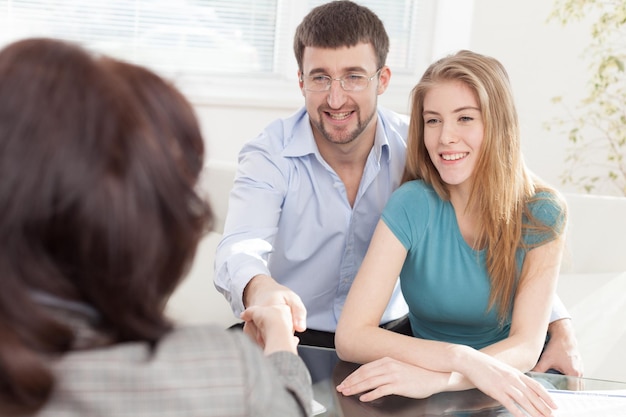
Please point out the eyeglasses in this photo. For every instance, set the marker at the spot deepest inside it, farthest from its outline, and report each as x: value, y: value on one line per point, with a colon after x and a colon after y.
x: 349, y: 82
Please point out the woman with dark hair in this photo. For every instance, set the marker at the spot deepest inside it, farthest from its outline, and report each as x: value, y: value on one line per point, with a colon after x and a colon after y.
x: 99, y: 221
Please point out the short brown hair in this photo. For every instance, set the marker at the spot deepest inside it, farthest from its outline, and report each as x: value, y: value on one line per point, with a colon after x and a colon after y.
x: 341, y: 23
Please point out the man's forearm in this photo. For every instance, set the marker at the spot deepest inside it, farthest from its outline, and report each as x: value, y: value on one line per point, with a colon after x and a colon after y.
x: 558, y: 310
x: 562, y: 328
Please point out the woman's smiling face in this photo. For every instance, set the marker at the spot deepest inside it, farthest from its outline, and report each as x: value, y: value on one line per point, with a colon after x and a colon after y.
x: 453, y: 131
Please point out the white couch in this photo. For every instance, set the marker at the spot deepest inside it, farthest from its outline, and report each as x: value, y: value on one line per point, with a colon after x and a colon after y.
x: 592, y: 283
x: 196, y: 300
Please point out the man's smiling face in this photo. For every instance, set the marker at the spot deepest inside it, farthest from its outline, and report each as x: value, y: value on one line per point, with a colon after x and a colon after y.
x: 336, y: 115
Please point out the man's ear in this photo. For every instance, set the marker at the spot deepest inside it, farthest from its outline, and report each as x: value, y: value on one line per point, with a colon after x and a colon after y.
x: 383, y: 79
x: 300, y: 82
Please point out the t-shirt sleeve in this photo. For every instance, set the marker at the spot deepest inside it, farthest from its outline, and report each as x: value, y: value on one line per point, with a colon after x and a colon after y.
x: 406, y: 213
x: 546, y: 211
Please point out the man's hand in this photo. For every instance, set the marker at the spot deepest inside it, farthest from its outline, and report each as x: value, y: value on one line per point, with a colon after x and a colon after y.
x: 561, y: 353
x: 263, y: 290
x: 273, y: 327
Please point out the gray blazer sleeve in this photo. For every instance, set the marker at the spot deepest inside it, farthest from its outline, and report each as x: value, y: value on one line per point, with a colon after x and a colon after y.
x: 295, y: 377
x: 193, y: 371
x: 278, y: 384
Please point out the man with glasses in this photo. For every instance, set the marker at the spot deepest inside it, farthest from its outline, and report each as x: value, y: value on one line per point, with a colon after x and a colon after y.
x: 310, y: 188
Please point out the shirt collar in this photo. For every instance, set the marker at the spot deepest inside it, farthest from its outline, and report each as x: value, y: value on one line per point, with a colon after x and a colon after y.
x: 83, y: 320
x: 301, y: 142
x: 381, y: 141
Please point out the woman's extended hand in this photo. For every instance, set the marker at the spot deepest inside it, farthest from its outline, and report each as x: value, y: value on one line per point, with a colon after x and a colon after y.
x: 264, y: 291
x: 273, y: 327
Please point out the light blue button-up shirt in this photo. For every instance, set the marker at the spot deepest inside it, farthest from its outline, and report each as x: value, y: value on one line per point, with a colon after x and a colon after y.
x: 289, y: 217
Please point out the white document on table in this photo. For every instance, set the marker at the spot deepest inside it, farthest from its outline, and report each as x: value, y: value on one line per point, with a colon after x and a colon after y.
x: 590, y: 403
x: 318, y: 408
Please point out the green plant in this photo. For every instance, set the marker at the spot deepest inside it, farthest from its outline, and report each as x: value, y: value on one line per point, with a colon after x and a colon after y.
x: 596, y: 129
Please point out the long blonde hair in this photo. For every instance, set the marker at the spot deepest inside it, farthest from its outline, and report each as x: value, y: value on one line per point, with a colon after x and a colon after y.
x: 502, y: 185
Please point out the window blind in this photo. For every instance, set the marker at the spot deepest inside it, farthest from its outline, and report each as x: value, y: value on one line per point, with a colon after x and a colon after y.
x: 202, y: 36
x: 171, y: 36
x: 231, y: 49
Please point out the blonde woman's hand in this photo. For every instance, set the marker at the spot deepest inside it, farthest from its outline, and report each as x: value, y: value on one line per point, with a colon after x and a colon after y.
x: 503, y: 383
x: 388, y: 376
x: 510, y: 387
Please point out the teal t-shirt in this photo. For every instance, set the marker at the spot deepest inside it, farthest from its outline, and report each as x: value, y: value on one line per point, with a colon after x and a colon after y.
x: 445, y: 281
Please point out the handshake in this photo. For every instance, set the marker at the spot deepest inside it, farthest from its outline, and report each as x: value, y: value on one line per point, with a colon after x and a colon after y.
x: 271, y: 327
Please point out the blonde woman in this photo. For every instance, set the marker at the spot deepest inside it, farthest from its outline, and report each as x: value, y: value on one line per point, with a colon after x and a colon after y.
x: 477, y: 241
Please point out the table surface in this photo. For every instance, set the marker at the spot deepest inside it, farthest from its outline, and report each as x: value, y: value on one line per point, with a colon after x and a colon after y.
x: 327, y: 371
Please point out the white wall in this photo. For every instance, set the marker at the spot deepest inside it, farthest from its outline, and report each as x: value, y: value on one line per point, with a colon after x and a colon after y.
x: 226, y: 128
x: 543, y: 60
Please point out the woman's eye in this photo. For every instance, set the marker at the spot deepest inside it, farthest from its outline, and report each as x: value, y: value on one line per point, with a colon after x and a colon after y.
x: 466, y: 119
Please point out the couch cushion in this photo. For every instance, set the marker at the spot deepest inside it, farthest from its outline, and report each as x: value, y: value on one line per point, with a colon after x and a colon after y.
x: 597, y: 303
x: 196, y: 301
x: 216, y: 182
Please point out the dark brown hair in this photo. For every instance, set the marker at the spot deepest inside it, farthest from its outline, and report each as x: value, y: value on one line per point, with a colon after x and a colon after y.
x: 96, y: 205
x: 341, y: 23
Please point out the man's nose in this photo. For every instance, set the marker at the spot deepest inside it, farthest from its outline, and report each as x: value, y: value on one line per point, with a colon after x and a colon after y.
x: 336, y: 94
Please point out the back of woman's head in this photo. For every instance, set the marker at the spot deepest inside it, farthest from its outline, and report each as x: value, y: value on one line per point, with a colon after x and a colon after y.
x: 95, y: 207
x: 168, y: 111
